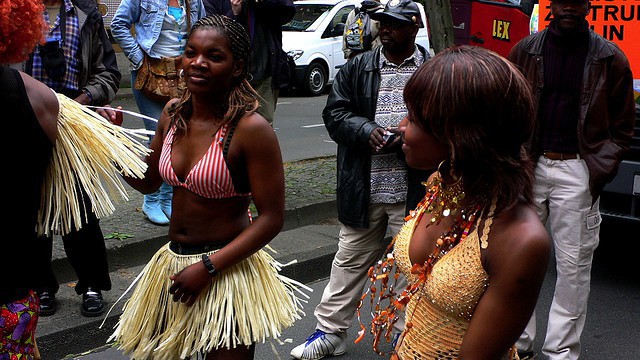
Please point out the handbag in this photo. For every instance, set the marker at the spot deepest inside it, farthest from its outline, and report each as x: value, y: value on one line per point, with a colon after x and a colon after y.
x: 159, y: 79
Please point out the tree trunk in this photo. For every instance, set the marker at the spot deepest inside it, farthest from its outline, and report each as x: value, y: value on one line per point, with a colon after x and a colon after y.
x: 440, y: 24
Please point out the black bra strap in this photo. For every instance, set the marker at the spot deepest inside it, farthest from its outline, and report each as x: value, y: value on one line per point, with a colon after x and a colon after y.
x: 230, y: 131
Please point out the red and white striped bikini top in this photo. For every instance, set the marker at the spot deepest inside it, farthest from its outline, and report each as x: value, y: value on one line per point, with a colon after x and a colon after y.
x: 209, y: 177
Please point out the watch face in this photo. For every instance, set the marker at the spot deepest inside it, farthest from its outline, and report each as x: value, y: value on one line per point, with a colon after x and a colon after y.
x: 207, y: 263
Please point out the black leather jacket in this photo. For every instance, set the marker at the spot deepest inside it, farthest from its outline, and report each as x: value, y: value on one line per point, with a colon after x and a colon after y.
x: 348, y: 117
x: 607, y: 109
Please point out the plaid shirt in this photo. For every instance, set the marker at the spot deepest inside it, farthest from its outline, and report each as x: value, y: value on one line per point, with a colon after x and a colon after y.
x: 71, y: 46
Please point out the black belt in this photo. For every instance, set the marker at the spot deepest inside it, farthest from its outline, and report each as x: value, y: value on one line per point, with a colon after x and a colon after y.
x: 192, y: 249
x: 560, y: 156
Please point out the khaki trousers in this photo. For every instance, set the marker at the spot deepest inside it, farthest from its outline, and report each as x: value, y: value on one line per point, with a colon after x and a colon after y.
x: 268, y: 98
x: 564, y: 202
x: 358, y: 250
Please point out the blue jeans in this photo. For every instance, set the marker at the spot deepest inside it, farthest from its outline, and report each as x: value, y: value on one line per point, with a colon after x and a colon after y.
x: 162, y: 197
x: 146, y: 106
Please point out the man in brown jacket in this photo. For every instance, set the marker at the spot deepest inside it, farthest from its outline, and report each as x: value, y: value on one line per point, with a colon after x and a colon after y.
x: 585, y: 116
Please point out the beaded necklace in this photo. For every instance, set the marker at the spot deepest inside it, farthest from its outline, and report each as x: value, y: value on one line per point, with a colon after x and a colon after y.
x: 441, y: 200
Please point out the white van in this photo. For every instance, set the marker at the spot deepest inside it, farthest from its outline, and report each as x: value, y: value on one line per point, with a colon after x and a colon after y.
x: 313, y: 38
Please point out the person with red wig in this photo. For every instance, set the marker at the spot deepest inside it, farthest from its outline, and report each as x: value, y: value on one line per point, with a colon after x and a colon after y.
x: 30, y: 110
x: 78, y: 61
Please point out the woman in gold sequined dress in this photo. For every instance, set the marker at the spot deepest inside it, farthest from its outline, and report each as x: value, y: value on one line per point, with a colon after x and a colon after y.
x: 474, y: 250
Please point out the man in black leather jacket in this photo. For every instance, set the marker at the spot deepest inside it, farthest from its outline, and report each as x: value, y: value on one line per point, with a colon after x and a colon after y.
x: 375, y: 187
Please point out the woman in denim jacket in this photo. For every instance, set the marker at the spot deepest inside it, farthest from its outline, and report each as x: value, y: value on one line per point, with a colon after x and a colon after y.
x: 160, y: 31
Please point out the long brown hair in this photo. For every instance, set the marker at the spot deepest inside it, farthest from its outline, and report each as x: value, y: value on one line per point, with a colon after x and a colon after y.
x: 481, y: 106
x: 242, y: 97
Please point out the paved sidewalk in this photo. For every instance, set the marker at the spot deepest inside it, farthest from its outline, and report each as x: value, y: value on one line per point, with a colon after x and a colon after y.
x: 309, y: 237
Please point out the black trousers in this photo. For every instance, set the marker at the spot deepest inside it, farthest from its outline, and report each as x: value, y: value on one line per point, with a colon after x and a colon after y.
x: 86, y: 252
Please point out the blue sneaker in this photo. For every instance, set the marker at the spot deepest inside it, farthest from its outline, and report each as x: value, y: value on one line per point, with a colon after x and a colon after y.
x: 165, y: 196
x: 166, y: 209
x: 154, y: 214
x: 319, y: 345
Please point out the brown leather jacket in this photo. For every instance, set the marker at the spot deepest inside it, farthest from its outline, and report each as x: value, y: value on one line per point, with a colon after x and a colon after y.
x: 607, y: 108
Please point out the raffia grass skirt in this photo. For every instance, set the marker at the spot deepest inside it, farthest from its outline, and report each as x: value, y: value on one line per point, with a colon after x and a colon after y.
x: 246, y: 303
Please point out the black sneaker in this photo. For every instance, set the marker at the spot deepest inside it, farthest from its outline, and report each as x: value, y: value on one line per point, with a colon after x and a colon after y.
x: 48, y: 303
x: 92, y: 303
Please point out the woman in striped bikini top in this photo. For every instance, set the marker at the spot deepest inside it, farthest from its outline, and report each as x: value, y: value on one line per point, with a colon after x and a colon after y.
x: 210, y: 176
x: 219, y: 155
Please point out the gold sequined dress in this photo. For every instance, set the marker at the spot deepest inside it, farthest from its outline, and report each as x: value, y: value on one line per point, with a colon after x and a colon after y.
x: 442, y: 308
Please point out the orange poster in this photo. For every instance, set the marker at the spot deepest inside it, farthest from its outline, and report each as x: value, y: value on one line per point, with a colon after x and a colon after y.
x: 615, y: 20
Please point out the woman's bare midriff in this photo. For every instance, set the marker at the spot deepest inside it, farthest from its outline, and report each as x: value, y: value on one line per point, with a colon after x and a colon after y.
x: 207, y: 221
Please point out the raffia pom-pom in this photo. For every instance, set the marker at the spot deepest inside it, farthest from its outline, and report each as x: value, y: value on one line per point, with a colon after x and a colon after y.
x: 90, y: 154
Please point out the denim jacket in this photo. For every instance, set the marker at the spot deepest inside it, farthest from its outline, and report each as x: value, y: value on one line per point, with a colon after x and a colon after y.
x: 146, y: 16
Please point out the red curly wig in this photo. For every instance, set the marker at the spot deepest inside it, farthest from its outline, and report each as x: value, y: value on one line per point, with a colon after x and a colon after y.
x: 21, y: 28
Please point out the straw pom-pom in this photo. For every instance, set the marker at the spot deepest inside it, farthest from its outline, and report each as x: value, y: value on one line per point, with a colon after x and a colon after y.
x: 90, y: 154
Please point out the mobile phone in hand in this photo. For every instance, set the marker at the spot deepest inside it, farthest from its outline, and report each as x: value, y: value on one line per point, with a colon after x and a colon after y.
x: 389, y: 136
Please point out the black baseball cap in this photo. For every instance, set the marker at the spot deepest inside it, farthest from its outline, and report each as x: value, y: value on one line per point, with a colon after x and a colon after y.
x: 399, y: 10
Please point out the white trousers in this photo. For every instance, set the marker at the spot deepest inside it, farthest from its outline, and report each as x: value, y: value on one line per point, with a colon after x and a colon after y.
x: 564, y: 202
x: 358, y: 250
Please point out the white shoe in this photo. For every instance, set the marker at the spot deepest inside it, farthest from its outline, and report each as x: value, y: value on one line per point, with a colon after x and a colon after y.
x: 319, y: 345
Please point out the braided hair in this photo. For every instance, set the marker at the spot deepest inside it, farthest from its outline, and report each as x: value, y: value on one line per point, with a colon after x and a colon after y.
x: 242, y: 97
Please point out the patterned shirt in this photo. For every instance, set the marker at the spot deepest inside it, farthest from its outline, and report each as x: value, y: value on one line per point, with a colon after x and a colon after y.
x: 388, y: 172
x: 70, y: 45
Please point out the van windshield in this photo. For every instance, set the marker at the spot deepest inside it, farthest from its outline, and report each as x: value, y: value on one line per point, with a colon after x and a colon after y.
x: 306, y: 14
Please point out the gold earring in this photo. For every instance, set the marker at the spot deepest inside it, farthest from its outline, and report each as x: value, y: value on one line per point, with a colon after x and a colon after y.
x: 452, y: 172
x: 440, y: 165
x: 442, y: 168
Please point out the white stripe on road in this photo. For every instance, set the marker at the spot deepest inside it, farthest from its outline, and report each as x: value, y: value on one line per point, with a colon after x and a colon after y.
x: 312, y: 126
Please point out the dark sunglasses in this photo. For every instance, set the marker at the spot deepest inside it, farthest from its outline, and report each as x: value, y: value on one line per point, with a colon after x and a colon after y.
x: 394, y: 25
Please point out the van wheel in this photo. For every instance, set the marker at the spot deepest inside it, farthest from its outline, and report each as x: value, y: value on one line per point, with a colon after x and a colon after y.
x: 315, y: 79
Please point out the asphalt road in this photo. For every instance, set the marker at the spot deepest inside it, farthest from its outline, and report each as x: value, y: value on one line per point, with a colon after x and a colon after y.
x: 612, y: 330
